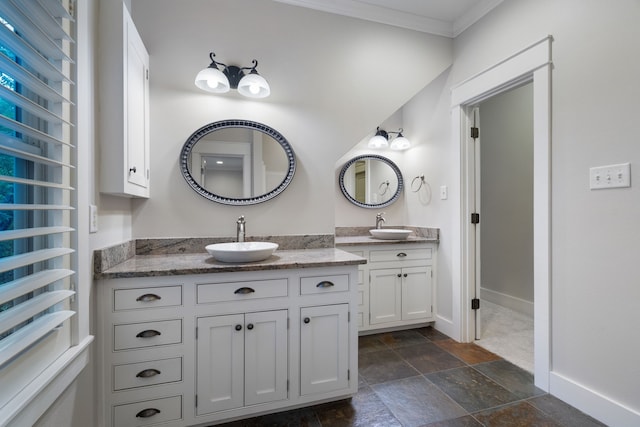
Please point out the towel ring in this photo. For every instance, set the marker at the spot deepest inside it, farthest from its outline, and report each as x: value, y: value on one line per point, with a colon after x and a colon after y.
x: 421, y: 178
x: 381, y: 190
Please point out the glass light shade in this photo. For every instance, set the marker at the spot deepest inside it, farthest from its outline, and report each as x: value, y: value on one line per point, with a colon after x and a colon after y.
x: 212, y: 80
x: 400, y: 143
x: 253, y: 85
x: 378, y: 141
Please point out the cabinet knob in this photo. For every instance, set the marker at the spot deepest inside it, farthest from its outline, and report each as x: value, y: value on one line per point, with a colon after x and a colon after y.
x: 238, y: 327
x: 399, y: 275
x: 401, y: 255
x: 306, y: 320
x: 149, y: 333
x: 148, y: 298
x: 244, y: 290
x: 405, y: 274
x: 133, y: 169
x: 147, y: 373
x: 250, y: 326
x: 146, y: 413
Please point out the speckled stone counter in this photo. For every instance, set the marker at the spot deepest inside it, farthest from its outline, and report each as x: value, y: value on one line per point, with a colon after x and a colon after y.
x: 355, y: 236
x: 169, y: 257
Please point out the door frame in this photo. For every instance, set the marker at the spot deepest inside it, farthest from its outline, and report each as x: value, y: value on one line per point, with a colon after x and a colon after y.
x: 533, y: 64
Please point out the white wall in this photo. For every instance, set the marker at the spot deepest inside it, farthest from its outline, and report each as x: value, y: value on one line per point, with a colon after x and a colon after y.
x: 506, y: 209
x: 594, y: 291
x: 333, y: 80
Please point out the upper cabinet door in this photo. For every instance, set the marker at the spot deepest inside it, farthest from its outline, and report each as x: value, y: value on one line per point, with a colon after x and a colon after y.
x: 137, y: 109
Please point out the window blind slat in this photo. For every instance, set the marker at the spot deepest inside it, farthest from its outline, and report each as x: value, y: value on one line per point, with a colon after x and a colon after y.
x: 14, y: 207
x: 30, y: 81
x: 29, y: 131
x: 30, y: 283
x: 30, y: 308
x: 17, y: 342
x: 16, y: 261
x: 34, y: 182
x: 56, y: 9
x: 33, y: 232
x: 7, y: 149
x: 31, y: 56
x: 20, y: 101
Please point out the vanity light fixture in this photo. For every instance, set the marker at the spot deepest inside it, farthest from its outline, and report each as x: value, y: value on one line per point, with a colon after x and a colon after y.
x: 381, y: 140
x: 251, y: 84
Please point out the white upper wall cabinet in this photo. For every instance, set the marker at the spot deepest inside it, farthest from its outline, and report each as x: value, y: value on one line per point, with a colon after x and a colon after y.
x: 123, y: 104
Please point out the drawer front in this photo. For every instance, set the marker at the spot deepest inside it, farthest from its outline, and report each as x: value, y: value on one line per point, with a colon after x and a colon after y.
x: 148, y: 334
x: 240, y: 291
x: 148, y: 413
x: 132, y: 299
x: 143, y: 374
x: 401, y: 255
x: 324, y: 284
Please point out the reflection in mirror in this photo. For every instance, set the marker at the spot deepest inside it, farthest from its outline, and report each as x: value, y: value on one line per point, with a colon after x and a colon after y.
x: 371, y: 181
x: 237, y: 162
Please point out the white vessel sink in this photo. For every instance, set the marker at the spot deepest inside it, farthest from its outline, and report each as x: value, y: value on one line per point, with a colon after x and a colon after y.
x: 241, y: 251
x: 390, y: 233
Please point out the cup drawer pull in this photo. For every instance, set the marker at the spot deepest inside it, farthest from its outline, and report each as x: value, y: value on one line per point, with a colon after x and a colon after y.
x: 147, y: 413
x: 148, y: 298
x: 325, y: 284
x: 149, y: 333
x: 244, y: 290
x: 401, y: 255
x: 148, y: 373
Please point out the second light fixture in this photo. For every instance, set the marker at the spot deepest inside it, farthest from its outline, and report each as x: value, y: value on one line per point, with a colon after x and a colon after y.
x: 251, y: 85
x: 381, y: 140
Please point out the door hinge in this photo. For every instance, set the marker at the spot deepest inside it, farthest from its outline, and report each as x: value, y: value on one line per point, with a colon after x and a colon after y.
x: 288, y: 322
x: 287, y: 385
x: 348, y: 316
x: 475, y: 304
x: 475, y: 218
x: 196, y: 400
x: 348, y: 374
x: 431, y: 309
x: 147, y: 74
x: 196, y: 332
x: 475, y: 132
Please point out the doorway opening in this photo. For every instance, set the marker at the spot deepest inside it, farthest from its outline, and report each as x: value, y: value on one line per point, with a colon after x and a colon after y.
x: 532, y: 64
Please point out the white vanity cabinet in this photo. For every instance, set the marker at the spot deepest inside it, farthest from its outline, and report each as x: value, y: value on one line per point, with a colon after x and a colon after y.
x: 195, y: 349
x: 124, y: 104
x: 397, y: 285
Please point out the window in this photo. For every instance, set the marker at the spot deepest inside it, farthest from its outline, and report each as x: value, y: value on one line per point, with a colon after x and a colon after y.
x: 36, y: 189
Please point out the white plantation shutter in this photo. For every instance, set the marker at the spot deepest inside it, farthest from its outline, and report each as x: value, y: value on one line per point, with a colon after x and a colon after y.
x: 37, y: 160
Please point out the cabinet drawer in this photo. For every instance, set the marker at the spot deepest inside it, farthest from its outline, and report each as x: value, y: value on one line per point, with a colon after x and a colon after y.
x: 401, y: 255
x: 148, y: 334
x: 148, y: 373
x: 240, y: 291
x: 323, y: 284
x: 148, y: 413
x: 131, y: 299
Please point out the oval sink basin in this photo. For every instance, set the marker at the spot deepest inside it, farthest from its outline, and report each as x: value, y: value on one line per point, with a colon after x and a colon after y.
x: 390, y: 233
x: 241, y: 251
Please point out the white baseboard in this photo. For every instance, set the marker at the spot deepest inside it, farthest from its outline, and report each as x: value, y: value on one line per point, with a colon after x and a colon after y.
x: 516, y: 304
x: 445, y: 326
x: 592, y: 403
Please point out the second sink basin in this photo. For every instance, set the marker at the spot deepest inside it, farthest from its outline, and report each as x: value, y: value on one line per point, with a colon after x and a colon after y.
x: 241, y: 251
x: 390, y: 233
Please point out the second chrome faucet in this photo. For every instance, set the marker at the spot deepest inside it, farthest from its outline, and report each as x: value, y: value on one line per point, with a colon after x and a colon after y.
x: 379, y: 220
x: 240, y: 229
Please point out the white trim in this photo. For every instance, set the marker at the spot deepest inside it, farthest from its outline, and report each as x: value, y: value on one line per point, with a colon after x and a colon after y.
x: 530, y: 64
x: 33, y: 401
x: 445, y: 326
x: 593, y: 403
x: 508, y: 301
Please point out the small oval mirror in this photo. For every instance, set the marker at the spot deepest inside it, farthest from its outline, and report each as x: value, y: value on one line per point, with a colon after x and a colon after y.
x: 237, y: 162
x: 371, y: 181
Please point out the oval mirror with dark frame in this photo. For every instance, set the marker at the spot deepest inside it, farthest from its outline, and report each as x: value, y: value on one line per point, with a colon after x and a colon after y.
x: 237, y: 162
x: 371, y: 181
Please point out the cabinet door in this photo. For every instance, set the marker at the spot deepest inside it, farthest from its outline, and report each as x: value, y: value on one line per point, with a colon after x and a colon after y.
x: 385, y: 295
x: 416, y: 293
x: 136, y: 108
x: 266, y: 351
x: 220, y: 363
x: 324, y: 348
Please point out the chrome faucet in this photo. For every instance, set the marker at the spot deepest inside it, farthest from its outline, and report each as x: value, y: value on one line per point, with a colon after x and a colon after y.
x: 379, y: 220
x: 240, y: 229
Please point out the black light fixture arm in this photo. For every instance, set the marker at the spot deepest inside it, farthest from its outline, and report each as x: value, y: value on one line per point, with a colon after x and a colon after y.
x: 233, y: 73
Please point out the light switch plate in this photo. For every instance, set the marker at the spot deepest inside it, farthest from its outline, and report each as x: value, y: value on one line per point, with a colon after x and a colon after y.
x: 611, y: 176
x: 444, y: 192
x: 93, y: 219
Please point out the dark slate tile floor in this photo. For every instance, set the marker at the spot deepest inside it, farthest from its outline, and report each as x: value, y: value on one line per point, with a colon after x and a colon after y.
x: 422, y: 378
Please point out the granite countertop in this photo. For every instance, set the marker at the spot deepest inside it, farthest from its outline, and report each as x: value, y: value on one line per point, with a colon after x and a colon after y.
x: 202, y: 263
x: 358, y: 236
